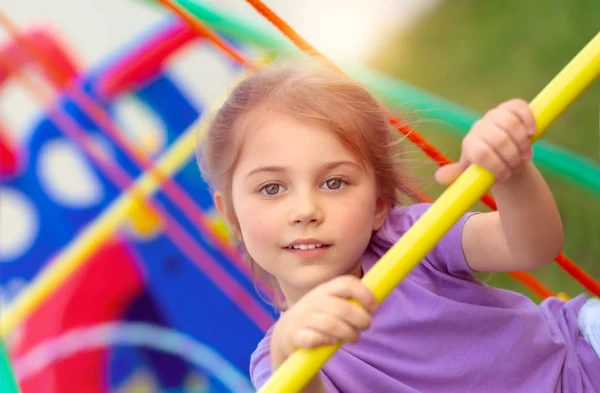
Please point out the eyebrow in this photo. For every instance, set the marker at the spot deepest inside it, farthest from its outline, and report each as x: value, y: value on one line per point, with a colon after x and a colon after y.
x: 327, y: 167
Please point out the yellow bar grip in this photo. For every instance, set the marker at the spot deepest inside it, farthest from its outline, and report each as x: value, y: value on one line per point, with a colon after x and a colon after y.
x: 407, y: 253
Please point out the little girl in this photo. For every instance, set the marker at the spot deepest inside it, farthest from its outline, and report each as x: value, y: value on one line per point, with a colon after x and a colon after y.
x: 306, y: 172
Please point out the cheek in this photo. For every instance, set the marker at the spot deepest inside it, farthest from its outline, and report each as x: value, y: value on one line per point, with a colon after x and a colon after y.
x: 257, y: 227
x: 363, y: 206
x: 354, y: 217
x: 357, y: 218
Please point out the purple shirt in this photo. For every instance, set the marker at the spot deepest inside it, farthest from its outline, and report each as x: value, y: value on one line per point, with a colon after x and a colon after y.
x: 442, y: 330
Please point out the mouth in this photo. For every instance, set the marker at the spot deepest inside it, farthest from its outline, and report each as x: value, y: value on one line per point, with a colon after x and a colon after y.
x: 307, y: 244
x: 308, y: 248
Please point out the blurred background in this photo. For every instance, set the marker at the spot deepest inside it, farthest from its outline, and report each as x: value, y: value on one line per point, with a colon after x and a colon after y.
x: 92, y: 92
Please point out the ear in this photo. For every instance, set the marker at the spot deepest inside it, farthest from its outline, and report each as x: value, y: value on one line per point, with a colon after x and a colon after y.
x: 227, y: 214
x: 382, y: 209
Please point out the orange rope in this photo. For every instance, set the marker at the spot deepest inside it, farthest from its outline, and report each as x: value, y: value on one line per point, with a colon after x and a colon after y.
x: 575, y: 271
x: 526, y: 279
x: 531, y: 282
x: 564, y: 262
x: 395, y: 121
x: 200, y: 28
x: 237, y: 55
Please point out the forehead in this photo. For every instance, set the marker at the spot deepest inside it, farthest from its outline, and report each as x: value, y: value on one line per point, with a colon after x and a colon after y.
x: 274, y: 138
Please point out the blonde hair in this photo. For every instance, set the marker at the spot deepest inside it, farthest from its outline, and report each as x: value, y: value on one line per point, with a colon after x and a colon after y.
x: 312, y: 93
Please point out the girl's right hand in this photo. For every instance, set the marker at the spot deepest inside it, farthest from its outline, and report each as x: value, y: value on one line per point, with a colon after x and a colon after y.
x: 324, y: 316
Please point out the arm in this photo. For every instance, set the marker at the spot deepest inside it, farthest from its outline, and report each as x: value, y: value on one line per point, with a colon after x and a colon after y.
x: 526, y: 232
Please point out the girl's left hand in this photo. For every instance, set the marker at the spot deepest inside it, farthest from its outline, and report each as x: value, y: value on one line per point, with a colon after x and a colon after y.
x: 499, y: 142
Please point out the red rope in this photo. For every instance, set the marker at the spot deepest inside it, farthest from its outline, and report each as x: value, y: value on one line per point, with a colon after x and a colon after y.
x: 435, y: 154
x: 575, y: 271
x: 201, y: 29
x: 182, y: 199
x: 238, y: 56
x: 569, y: 266
x: 536, y: 286
x: 178, y: 235
x: 531, y: 282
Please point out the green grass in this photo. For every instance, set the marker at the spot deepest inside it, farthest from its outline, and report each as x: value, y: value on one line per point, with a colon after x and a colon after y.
x: 480, y: 53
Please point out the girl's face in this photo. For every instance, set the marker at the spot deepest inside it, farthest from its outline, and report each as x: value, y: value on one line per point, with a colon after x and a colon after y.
x: 305, y: 206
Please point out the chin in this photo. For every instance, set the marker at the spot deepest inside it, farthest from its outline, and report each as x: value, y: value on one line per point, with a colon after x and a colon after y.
x: 309, y: 277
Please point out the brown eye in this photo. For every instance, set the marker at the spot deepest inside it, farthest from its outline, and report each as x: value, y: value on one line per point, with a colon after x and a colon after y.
x: 335, y: 184
x: 271, y: 189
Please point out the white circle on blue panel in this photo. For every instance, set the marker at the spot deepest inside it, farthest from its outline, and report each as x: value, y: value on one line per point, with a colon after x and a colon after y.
x: 66, y: 175
x: 144, y: 129
x: 19, y: 224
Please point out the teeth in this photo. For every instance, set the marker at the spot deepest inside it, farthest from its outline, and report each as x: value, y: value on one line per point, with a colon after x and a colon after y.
x: 306, y: 246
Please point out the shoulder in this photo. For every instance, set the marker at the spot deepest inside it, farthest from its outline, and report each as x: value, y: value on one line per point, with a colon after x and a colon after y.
x: 260, y: 361
x: 447, y: 255
x: 399, y: 220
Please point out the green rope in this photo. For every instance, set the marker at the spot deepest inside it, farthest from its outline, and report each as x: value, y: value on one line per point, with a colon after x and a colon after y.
x: 557, y: 160
x: 8, y: 381
x: 548, y: 156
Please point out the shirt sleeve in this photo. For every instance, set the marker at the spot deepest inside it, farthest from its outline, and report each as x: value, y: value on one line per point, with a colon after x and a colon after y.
x: 260, y: 363
x: 447, y: 256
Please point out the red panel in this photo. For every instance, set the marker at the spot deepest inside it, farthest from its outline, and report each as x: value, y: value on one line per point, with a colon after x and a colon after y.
x: 100, y: 292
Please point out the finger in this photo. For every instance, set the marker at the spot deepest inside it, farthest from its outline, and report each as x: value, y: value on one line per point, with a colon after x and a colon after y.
x: 516, y: 130
x: 482, y: 154
x: 449, y: 173
x: 505, y: 147
x: 312, y: 338
x: 351, y: 287
x: 333, y: 326
x: 522, y: 110
x: 350, y: 312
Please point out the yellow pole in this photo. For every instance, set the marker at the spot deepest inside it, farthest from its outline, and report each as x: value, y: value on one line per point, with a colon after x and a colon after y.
x: 80, y: 249
x: 401, y: 258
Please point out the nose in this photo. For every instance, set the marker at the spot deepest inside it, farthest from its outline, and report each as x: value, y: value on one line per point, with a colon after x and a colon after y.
x: 306, y: 209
